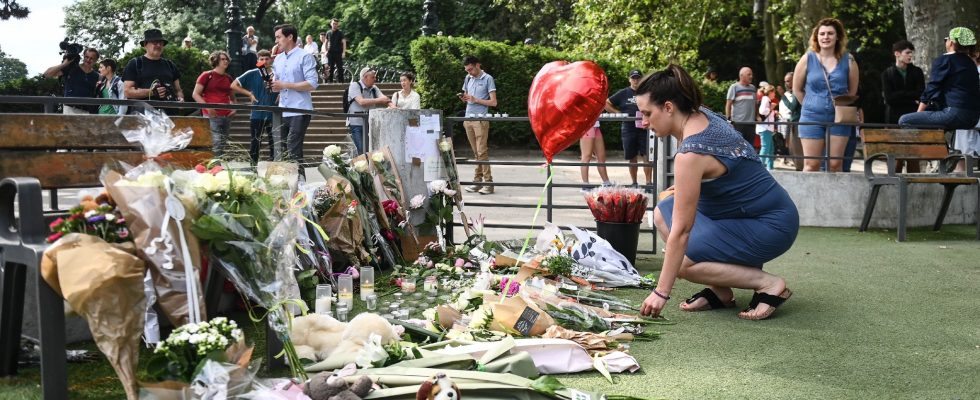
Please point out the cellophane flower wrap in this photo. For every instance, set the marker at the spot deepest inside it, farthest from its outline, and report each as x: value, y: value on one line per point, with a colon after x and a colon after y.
x: 617, y: 204
x: 251, y: 232
x: 142, y: 194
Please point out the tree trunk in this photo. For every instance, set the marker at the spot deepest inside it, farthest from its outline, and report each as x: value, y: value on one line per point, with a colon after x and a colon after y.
x: 769, y: 35
x: 811, y: 12
x: 262, y: 9
x: 927, y: 22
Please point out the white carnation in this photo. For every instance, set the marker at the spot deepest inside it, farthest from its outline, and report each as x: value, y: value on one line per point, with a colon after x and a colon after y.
x: 437, y: 186
x: 417, y: 201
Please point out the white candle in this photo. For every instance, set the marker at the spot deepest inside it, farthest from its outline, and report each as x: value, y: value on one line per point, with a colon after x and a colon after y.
x: 323, y: 305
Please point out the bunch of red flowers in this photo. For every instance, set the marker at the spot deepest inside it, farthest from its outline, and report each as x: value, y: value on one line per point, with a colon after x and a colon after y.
x: 617, y: 204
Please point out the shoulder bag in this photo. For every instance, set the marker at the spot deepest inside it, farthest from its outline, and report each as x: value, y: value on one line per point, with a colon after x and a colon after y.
x: 843, y: 112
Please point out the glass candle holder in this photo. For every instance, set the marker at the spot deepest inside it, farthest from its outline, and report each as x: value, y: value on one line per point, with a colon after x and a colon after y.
x: 371, y: 302
x: 342, y: 312
x: 430, y: 284
x: 408, y: 285
x: 345, y: 291
x: 324, y: 298
x: 397, y: 297
x: 367, y: 282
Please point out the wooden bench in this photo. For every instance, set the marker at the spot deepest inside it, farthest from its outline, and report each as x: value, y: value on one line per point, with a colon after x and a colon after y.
x: 926, y: 145
x: 53, y: 151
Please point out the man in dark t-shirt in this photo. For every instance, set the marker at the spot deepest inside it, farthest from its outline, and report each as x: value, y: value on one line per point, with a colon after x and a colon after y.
x: 150, y: 76
x: 336, y: 51
x: 636, y: 140
x: 79, y: 76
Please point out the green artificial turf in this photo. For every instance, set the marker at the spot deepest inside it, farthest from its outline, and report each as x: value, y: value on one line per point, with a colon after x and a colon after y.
x: 869, y: 318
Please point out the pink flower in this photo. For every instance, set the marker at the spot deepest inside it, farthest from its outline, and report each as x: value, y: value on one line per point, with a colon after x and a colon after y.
x: 468, y: 265
x: 459, y: 262
x: 430, y: 264
x: 123, y: 233
x: 55, y: 236
x: 200, y: 168
x: 56, y: 223
x: 511, y: 288
x: 389, y: 235
x: 390, y: 206
x: 216, y: 169
x: 398, y: 282
x: 353, y: 272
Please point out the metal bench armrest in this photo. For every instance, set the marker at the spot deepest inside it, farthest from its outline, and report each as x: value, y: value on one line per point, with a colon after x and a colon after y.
x: 948, y: 164
x: 29, y: 229
x: 869, y: 165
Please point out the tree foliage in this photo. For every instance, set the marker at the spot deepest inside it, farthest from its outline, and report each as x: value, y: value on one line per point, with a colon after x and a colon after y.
x: 11, y: 68
x: 190, y: 62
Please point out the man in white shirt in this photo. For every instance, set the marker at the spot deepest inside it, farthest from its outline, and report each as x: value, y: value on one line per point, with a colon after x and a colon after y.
x: 363, y: 96
x: 311, y: 46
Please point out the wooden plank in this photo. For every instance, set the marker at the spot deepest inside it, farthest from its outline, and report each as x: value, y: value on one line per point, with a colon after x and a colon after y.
x: 80, y: 169
x: 58, y: 131
x: 902, y: 136
x: 941, y: 179
x: 903, y: 150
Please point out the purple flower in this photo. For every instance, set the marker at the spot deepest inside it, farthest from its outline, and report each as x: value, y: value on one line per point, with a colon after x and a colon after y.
x: 97, y: 218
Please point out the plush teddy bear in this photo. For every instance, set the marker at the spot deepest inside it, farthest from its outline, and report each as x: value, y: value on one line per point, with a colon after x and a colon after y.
x: 318, y: 336
x: 332, y: 386
x: 440, y: 387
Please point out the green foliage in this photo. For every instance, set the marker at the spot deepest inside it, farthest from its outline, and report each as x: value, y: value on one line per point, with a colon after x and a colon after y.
x: 36, y: 86
x: 190, y: 62
x: 439, y: 70
x: 714, y: 95
x: 11, y: 68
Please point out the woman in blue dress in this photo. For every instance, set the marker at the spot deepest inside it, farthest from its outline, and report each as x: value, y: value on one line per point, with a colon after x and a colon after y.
x: 727, y: 216
x: 826, y: 62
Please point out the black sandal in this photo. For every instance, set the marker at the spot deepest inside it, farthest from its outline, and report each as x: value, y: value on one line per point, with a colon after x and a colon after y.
x: 767, y: 299
x: 714, y: 303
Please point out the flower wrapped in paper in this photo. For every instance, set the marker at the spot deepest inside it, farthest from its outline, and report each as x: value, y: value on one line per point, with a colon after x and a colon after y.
x: 157, y: 219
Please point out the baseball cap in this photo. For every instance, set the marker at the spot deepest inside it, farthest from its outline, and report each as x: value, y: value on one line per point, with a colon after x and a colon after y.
x: 635, y: 73
x: 963, y: 36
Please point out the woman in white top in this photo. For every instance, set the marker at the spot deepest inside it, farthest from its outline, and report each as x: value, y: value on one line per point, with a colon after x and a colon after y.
x: 406, y: 99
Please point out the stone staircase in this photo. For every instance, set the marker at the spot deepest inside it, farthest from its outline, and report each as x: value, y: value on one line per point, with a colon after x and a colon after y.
x: 323, y: 131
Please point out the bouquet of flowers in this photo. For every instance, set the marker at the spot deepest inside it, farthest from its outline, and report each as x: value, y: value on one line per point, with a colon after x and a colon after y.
x: 93, y: 216
x: 617, y: 204
x: 252, y: 232
x: 179, y: 356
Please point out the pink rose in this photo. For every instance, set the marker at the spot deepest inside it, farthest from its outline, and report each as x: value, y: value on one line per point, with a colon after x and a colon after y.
x: 459, y: 262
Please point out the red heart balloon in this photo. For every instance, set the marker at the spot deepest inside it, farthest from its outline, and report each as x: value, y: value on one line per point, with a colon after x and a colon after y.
x: 564, y: 102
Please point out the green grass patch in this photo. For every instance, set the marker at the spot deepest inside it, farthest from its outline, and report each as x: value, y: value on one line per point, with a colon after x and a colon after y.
x: 869, y: 318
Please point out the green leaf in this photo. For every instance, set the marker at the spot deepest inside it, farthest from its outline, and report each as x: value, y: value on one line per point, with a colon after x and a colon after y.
x: 547, y: 384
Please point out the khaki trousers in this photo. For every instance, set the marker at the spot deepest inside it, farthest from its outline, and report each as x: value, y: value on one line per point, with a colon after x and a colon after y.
x: 477, y: 133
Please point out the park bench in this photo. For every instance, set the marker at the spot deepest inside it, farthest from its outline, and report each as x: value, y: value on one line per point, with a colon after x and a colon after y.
x: 927, y: 145
x: 49, y: 152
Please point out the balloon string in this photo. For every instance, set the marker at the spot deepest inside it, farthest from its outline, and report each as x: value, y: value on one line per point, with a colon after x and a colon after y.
x: 527, y: 238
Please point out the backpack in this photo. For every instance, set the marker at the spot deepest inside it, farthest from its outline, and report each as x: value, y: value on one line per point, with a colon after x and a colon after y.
x: 347, y: 98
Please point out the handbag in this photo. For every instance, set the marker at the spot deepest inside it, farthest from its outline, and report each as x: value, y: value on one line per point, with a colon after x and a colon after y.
x: 843, y: 112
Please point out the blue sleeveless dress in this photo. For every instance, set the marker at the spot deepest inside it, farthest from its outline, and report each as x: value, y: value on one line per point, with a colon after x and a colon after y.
x: 744, y: 217
x: 818, y: 105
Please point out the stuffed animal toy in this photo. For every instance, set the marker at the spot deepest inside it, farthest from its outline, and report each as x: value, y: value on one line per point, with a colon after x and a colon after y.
x: 333, y: 386
x: 318, y: 336
x: 440, y: 387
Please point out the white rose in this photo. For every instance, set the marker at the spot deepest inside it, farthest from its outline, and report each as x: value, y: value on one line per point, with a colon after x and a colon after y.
x: 205, y: 183
x: 278, y: 181
x: 449, y: 192
x: 223, y: 180
x: 437, y: 186
x: 417, y: 201
x: 360, y: 165
x: 444, y: 145
x: 378, y: 157
x: 152, y: 178
x: 331, y: 150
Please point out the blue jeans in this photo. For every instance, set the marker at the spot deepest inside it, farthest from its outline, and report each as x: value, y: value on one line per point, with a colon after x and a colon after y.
x: 949, y: 118
x: 219, y: 135
x: 768, y: 150
x: 259, y: 128
x: 357, y: 136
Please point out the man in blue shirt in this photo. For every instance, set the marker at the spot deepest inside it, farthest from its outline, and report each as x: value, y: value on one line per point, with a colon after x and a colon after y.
x: 79, y: 75
x: 254, y: 80
x: 479, y: 94
x: 295, y: 79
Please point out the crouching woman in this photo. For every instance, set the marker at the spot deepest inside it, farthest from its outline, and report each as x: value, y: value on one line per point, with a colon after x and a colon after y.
x: 727, y: 216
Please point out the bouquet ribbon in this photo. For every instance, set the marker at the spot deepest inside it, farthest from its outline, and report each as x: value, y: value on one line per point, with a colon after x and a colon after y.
x: 527, y: 239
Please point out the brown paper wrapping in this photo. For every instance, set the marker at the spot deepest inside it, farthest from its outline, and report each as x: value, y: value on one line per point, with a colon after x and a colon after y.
x: 104, y: 284
x: 506, y: 313
x: 592, y: 342
x: 143, y: 208
x: 346, y: 234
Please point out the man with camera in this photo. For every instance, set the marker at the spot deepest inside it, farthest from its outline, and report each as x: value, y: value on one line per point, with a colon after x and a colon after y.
x: 77, y: 73
x: 257, y: 81
x: 150, y: 76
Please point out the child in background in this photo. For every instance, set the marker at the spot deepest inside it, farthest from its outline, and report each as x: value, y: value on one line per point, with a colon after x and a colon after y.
x: 765, y: 131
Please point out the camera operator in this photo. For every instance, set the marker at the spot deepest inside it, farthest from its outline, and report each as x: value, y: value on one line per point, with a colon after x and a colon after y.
x: 150, y: 76
x: 78, y: 75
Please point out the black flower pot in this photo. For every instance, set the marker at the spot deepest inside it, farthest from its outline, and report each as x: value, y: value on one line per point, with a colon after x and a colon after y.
x: 622, y: 236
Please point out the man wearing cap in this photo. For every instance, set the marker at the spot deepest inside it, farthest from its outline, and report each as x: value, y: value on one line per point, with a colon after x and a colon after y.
x: 953, y: 87
x: 740, y: 105
x: 636, y: 141
x: 79, y: 77
x: 710, y: 77
x: 363, y: 96
x: 295, y: 79
x: 479, y: 94
x: 150, y: 76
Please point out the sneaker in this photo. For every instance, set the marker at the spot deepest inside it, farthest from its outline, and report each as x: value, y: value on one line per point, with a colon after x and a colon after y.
x: 473, y: 188
x: 609, y: 183
x: 486, y: 190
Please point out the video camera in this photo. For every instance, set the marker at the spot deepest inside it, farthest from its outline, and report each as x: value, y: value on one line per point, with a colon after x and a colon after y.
x: 169, y: 93
x: 265, y: 74
x: 70, y: 51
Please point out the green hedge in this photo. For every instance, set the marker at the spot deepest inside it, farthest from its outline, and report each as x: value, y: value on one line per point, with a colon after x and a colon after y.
x: 439, y: 68
x: 714, y: 95
x: 190, y: 62
x: 36, y: 86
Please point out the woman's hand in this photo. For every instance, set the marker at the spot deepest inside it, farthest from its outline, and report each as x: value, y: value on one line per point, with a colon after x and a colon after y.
x: 653, y: 305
